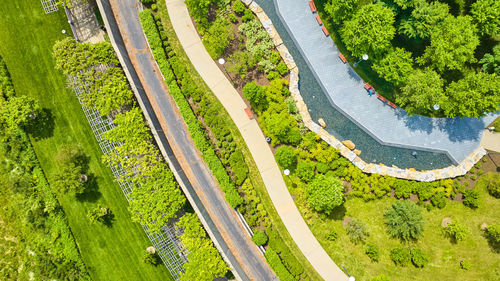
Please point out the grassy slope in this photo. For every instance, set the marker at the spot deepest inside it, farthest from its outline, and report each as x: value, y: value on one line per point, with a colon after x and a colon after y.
x: 26, y: 39
x: 254, y: 172
x: 444, y: 256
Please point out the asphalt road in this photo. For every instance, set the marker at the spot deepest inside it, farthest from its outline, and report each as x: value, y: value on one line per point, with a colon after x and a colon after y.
x: 243, y: 255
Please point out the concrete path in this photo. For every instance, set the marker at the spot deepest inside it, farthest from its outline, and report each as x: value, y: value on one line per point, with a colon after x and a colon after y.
x: 86, y: 25
x: 255, y: 141
x: 491, y: 140
x: 202, y: 190
x: 457, y: 137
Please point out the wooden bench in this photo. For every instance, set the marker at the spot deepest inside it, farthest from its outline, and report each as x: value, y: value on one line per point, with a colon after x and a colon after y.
x: 324, y: 30
x: 342, y: 58
x: 249, y: 113
x: 312, y: 6
x: 367, y: 87
x: 391, y: 104
x: 381, y: 98
x: 318, y: 20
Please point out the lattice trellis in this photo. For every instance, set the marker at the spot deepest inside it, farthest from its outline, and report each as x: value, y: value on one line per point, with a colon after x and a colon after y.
x: 49, y: 6
x: 167, y: 242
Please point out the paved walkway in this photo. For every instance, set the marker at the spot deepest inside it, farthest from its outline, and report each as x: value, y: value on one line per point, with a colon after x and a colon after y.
x: 86, y: 25
x: 458, y: 137
x: 185, y: 160
x: 255, y: 141
x: 491, y: 141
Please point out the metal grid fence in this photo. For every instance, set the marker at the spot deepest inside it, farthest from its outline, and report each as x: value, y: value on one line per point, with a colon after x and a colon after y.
x: 166, y: 242
x: 49, y: 6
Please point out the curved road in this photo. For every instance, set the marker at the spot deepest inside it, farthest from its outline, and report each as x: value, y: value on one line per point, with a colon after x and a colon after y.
x: 171, y: 131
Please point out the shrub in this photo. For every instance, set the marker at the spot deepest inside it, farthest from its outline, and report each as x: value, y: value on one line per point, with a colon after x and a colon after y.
x: 233, y: 18
x: 98, y: 214
x: 324, y: 194
x: 248, y: 15
x: 471, y: 198
x: 150, y: 258
x: 418, y: 257
x: 275, y: 58
x: 465, y: 265
x: 380, y: 277
x: 493, y: 184
x: 273, y: 75
x: 259, y: 238
x: 255, y: 94
x: 274, y: 261
x: 373, y: 252
x: 357, y: 231
x: 456, y: 232
x: 404, y: 220
x: 305, y: 170
x: 403, y: 188
x: 400, y: 256
x: 439, y: 200
x: 282, y: 68
x: 239, y: 167
x: 217, y: 37
x: 493, y: 232
x: 322, y: 168
x: 238, y: 7
x: 154, y: 8
x: 148, y: 1
x: 332, y: 235
x: 286, y: 157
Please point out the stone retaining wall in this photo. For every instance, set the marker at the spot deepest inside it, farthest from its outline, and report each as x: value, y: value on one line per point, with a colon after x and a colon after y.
x: 410, y: 174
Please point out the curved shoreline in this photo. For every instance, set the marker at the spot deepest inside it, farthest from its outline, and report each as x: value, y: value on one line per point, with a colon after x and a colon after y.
x: 371, y: 168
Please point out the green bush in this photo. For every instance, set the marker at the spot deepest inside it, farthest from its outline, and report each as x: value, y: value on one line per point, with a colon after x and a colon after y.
x: 255, y: 94
x: 322, y: 168
x: 324, y: 194
x: 282, y: 68
x: 471, y: 198
x: 150, y: 258
x: 456, y: 232
x: 286, y: 157
x: 305, y: 170
x: 273, y: 75
x: 239, y: 167
x: 356, y: 230
x: 233, y: 18
x: 418, y: 257
x: 493, y: 184
x: 248, y: 15
x: 148, y: 1
x: 332, y: 235
x: 439, y: 200
x: 403, y: 188
x: 238, y: 7
x: 217, y: 37
x: 275, y: 58
x: 465, y: 264
x: 493, y: 232
x: 259, y: 238
x: 400, y: 256
x: 404, y: 220
x: 373, y: 252
x: 274, y: 261
x: 154, y: 8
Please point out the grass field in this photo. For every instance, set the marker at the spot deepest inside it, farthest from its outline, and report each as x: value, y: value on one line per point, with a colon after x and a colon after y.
x: 26, y: 39
x: 445, y: 256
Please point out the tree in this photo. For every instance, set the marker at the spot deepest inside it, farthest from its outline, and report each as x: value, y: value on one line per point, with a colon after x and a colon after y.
x: 369, y: 31
x: 218, y: 37
x: 356, y: 230
x: 486, y: 14
x: 340, y: 10
x: 286, y: 157
x: 456, y: 232
x: 256, y: 95
x: 424, y: 18
x: 98, y: 214
x: 423, y: 89
x: 324, y: 193
x: 259, y: 238
x: 68, y: 180
x: 198, y: 9
x: 491, y: 62
x: 452, y: 44
x: 18, y: 111
x: 395, y: 67
x: 473, y: 96
x: 404, y: 220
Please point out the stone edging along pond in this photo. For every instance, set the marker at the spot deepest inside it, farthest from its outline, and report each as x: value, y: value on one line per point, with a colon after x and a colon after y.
x: 371, y: 168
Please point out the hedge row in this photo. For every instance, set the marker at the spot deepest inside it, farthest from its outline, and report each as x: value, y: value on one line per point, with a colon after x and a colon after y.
x: 274, y: 261
x: 195, y: 127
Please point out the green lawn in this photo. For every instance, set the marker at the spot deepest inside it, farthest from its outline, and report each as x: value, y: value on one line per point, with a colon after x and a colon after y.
x: 444, y: 255
x: 26, y: 39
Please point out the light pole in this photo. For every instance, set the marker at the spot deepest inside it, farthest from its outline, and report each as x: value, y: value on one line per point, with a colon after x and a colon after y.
x: 364, y: 57
x: 222, y: 62
x: 436, y: 106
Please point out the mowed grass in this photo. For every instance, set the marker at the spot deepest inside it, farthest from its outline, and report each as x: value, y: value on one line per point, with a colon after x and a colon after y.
x: 26, y: 39
x: 445, y: 256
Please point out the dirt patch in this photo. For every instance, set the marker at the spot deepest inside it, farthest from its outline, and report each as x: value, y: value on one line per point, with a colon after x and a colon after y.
x: 346, y: 221
x: 445, y: 222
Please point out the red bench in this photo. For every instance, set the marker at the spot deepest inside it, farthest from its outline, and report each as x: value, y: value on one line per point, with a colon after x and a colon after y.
x: 367, y: 87
x: 249, y: 113
x: 324, y: 30
x: 391, y: 104
x: 312, y: 6
x: 318, y: 20
x: 342, y: 58
x: 381, y: 98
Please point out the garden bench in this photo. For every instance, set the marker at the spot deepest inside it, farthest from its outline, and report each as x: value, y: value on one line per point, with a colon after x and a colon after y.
x: 342, y: 58
x: 381, y: 98
x: 313, y: 7
x: 324, y: 30
x: 367, y: 87
x: 391, y: 104
x: 249, y: 113
x: 318, y: 20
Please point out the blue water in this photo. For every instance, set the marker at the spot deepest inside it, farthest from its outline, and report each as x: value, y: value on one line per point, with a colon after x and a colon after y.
x: 339, y: 125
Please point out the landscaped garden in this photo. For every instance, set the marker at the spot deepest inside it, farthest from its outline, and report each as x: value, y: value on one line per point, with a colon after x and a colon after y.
x: 423, y: 53
x: 361, y: 220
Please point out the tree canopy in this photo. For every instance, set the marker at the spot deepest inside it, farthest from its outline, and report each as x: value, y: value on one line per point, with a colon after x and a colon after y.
x: 491, y: 62
x: 404, y: 220
x: 324, y: 193
x: 423, y: 89
x: 396, y: 66
x: 424, y: 18
x: 486, y: 14
x: 340, y: 10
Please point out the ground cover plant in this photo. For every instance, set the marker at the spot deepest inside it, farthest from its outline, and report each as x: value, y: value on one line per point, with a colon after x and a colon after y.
x: 108, y: 252
x: 423, y: 53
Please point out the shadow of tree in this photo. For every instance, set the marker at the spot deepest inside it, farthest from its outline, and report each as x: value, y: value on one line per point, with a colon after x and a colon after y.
x: 109, y: 219
x: 43, y: 127
x: 338, y: 213
x: 91, y: 193
x: 494, y: 245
